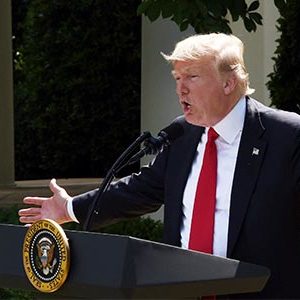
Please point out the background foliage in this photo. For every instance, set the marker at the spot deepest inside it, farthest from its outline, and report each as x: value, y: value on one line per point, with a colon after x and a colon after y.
x: 284, y: 83
x: 77, y: 85
x: 203, y: 15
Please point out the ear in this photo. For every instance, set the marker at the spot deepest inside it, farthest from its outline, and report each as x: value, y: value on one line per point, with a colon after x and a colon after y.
x: 230, y: 84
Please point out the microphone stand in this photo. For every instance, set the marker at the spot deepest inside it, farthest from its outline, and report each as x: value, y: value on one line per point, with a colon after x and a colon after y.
x: 116, y: 167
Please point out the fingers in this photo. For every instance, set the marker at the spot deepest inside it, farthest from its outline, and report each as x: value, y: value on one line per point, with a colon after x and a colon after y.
x: 54, y: 187
x: 29, y: 215
x: 29, y: 211
x: 58, y: 192
x: 34, y: 200
x: 30, y: 219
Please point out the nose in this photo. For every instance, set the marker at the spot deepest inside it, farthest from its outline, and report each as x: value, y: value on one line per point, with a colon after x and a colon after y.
x: 181, y: 88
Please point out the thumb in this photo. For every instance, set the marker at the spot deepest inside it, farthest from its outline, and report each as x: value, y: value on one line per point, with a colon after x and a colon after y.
x: 54, y: 187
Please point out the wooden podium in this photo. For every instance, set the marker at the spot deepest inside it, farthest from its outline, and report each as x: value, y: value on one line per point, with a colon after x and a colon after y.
x: 112, y: 266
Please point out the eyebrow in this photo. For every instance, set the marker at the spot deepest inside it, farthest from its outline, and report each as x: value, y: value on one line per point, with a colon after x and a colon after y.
x: 186, y: 70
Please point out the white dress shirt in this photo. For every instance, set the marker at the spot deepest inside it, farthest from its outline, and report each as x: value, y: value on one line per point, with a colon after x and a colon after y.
x: 230, y: 131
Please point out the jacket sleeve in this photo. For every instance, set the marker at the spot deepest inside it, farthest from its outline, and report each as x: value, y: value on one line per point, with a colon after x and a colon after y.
x: 128, y: 197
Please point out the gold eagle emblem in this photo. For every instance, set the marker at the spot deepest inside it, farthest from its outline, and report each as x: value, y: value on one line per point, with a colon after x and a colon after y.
x: 46, y: 259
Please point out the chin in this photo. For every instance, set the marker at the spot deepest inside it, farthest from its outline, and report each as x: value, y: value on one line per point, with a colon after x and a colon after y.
x: 193, y: 121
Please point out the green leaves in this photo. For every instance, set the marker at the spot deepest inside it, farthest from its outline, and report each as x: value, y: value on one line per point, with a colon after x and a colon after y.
x: 153, y: 12
x: 143, y: 7
x: 256, y: 17
x: 249, y: 24
x: 253, y: 6
x: 284, y: 83
x: 203, y: 15
x: 280, y: 4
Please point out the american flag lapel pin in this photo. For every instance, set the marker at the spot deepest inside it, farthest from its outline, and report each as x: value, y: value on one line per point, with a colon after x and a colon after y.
x: 255, y: 151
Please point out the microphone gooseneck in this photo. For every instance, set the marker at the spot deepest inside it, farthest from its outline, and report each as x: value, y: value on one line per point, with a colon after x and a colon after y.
x: 151, y: 146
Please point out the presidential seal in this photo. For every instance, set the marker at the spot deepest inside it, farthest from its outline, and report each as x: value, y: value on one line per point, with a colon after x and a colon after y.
x: 46, y: 255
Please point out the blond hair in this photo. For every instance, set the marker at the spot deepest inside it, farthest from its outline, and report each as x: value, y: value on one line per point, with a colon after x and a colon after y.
x: 226, y: 50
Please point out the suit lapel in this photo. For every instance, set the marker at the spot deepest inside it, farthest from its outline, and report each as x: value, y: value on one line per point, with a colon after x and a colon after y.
x: 188, y: 150
x: 180, y: 162
x: 249, y: 160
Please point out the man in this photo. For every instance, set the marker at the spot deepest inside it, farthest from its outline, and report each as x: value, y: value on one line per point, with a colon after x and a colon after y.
x: 256, y: 184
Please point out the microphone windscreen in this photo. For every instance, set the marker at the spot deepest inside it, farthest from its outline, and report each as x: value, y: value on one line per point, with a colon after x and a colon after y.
x: 173, y: 131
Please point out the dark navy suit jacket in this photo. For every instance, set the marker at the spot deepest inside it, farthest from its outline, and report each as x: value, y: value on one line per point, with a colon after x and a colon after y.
x: 264, y: 224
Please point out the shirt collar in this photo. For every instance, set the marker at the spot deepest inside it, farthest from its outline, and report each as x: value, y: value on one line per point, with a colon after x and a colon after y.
x: 230, y: 126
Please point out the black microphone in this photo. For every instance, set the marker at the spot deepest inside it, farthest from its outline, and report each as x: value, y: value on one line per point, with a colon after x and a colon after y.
x: 154, y: 145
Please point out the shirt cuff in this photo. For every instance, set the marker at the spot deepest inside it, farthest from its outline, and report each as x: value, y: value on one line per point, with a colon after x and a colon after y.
x: 70, y: 210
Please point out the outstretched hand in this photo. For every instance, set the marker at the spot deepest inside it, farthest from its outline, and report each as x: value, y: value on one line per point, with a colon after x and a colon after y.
x: 54, y: 208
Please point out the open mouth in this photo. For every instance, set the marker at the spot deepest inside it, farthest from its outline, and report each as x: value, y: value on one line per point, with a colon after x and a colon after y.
x: 186, y: 105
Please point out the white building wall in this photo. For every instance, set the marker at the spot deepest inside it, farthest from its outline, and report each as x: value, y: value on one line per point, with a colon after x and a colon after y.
x: 159, y: 101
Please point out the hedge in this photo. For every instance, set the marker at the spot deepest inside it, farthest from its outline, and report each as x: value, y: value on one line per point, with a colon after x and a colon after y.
x: 284, y: 83
x: 77, y: 85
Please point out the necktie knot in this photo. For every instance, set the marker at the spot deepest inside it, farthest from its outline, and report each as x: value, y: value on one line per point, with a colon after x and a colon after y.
x: 212, y: 135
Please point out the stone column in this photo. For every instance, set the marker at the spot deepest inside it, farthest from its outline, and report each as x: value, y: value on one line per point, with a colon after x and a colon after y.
x: 6, y: 97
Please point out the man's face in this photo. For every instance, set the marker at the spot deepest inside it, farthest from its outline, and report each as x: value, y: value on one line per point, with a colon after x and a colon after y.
x: 204, y: 96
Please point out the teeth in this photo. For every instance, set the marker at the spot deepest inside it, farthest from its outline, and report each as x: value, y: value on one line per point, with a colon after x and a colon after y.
x: 186, y: 104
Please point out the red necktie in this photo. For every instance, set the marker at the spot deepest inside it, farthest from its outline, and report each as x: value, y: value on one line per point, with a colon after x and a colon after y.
x: 202, y: 228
